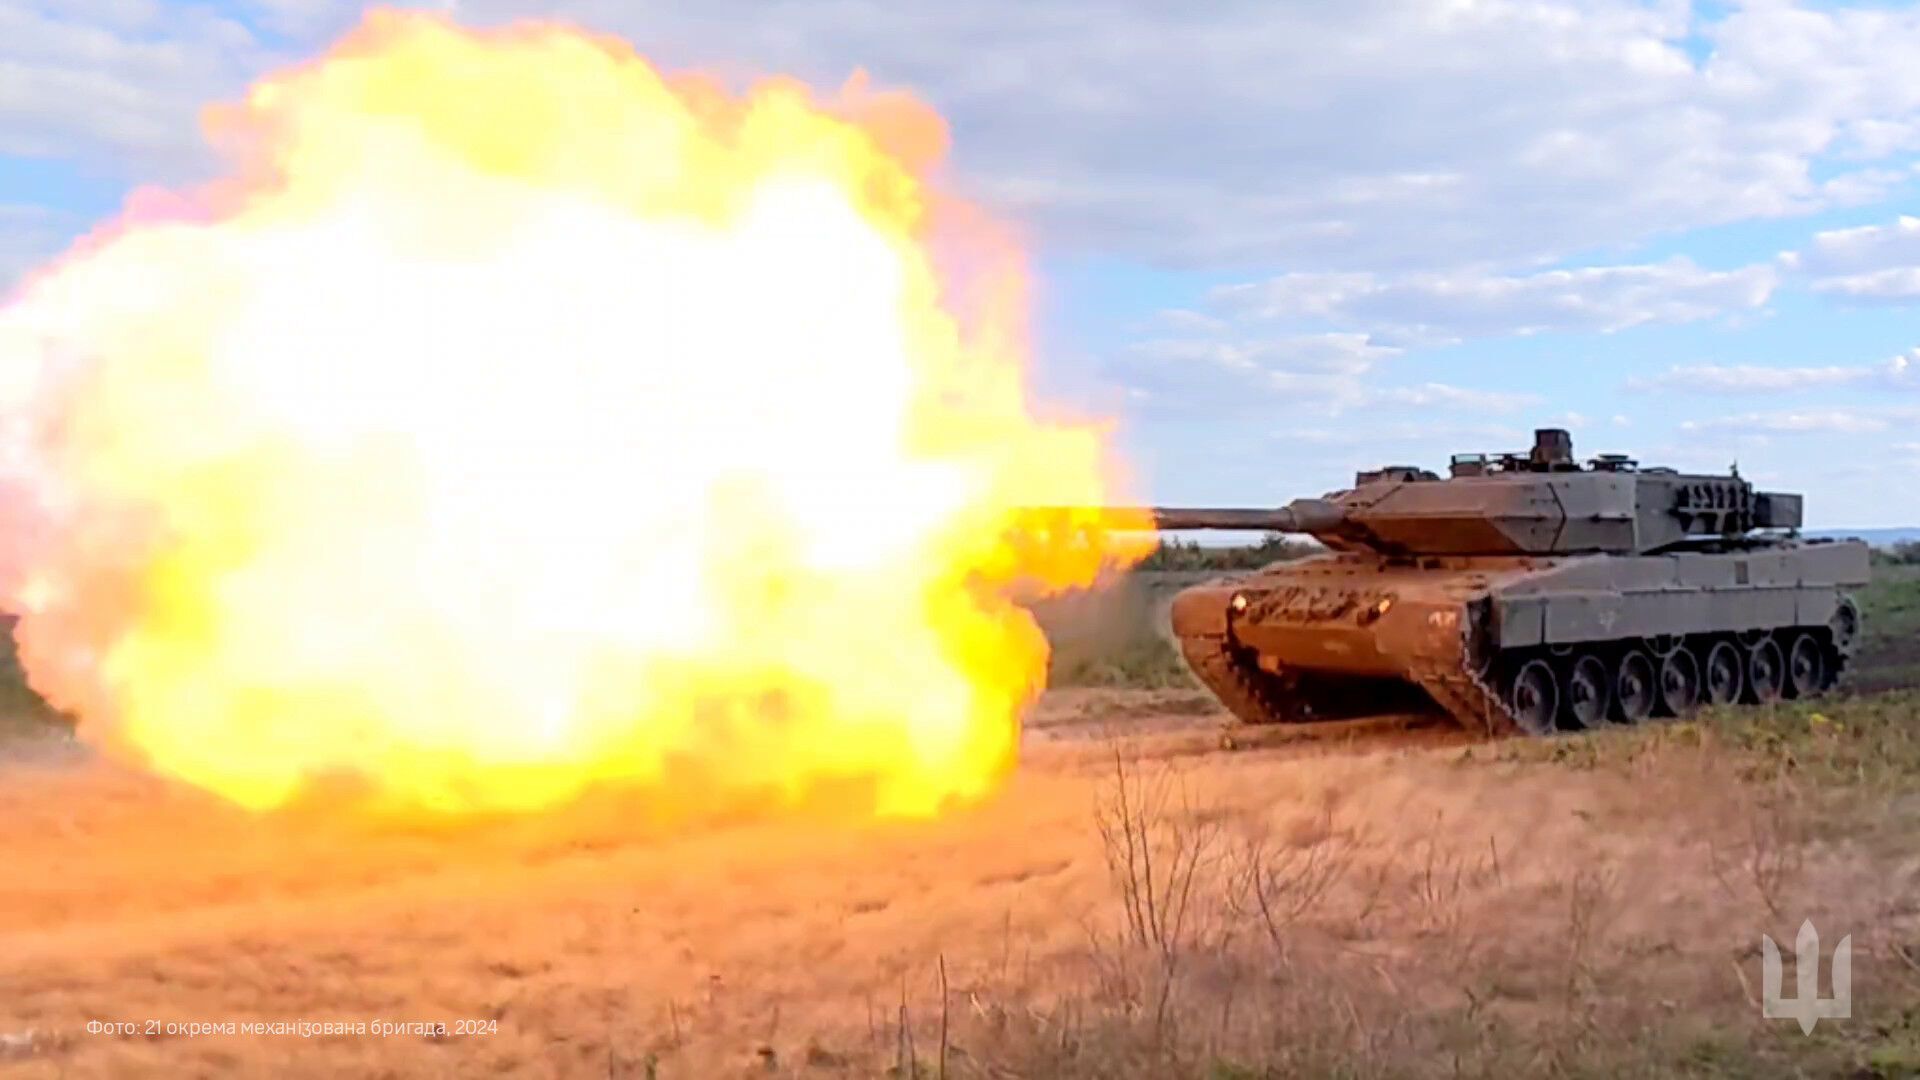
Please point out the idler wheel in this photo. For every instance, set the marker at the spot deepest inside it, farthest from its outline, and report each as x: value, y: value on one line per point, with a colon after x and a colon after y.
x: 1845, y: 625
x: 1726, y: 674
x: 1589, y: 692
x: 1534, y: 697
x: 1635, y: 688
x: 1806, y: 668
x: 1679, y: 683
x: 1766, y: 672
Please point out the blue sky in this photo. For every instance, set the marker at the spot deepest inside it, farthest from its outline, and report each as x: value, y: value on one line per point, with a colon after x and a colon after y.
x: 1287, y: 240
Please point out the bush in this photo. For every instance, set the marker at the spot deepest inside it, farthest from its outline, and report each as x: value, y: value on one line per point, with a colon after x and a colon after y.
x: 1189, y: 555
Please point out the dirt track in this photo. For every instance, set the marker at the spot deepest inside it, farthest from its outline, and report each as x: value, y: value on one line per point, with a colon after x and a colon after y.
x: 585, y: 942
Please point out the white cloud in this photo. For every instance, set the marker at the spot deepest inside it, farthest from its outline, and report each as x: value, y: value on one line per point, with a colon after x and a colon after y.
x: 1444, y: 396
x: 1900, y: 283
x: 1409, y: 441
x: 1750, y: 378
x: 1572, y: 420
x: 1900, y: 373
x: 1214, y: 375
x: 118, y: 83
x: 1295, y: 375
x: 1844, y: 421
x: 1454, y: 305
x: 1869, y: 263
x: 1392, y: 133
x: 1316, y: 340
x: 1396, y: 132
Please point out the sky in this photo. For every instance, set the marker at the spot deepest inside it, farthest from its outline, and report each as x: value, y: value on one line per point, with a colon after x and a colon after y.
x: 1282, y: 240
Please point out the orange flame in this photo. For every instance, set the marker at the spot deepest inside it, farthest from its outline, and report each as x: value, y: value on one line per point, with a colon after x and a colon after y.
x: 516, y: 420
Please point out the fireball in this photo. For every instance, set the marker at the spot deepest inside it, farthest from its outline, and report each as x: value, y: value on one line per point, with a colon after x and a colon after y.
x: 513, y: 419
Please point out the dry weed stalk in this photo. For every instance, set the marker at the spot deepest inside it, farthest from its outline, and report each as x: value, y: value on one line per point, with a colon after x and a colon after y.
x: 1158, y: 849
x: 945, y: 999
x: 906, y: 1063
x: 1437, y: 886
x: 1590, y: 896
x: 1163, y: 856
x: 1770, y: 861
x: 1274, y: 886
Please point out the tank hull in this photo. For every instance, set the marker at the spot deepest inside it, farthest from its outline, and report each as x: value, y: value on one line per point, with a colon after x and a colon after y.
x: 1508, y: 645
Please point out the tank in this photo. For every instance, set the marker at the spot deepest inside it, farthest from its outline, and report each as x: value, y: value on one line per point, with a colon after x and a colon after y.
x: 1525, y: 593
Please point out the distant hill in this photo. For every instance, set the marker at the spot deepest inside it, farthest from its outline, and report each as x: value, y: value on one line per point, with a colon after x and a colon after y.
x: 1876, y: 537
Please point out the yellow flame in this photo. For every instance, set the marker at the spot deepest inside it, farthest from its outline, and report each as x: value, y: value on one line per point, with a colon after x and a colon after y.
x: 514, y: 419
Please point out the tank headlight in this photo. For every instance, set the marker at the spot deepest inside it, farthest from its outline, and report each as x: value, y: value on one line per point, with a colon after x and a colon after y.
x: 1384, y: 606
x: 1239, y: 601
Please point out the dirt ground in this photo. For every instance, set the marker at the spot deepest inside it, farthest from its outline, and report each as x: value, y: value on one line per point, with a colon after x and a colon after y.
x: 1374, y: 906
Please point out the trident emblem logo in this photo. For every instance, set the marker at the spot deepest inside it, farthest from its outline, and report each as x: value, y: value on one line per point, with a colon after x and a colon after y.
x: 1807, y: 1006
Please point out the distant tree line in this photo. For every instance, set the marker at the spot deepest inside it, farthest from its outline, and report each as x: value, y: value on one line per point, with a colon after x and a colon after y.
x: 1904, y: 553
x: 1189, y: 555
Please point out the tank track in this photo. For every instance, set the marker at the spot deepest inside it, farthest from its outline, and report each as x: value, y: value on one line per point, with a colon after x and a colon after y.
x: 1467, y: 697
x: 1259, y: 697
x: 1250, y: 694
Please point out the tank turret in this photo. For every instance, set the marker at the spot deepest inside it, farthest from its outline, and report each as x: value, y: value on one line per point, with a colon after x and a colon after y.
x: 1542, y: 502
x: 1524, y: 592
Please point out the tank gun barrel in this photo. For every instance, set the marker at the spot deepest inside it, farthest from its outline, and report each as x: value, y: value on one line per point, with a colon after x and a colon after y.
x: 1299, y: 516
x: 1169, y: 518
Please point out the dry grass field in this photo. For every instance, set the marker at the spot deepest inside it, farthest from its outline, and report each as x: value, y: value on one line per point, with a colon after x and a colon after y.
x: 1135, y: 902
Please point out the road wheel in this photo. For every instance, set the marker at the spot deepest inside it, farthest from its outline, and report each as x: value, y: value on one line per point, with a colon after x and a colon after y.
x: 1588, y: 692
x: 1534, y: 697
x: 1635, y: 688
x: 1806, y: 668
x: 1766, y: 672
x: 1679, y: 683
x: 1726, y: 674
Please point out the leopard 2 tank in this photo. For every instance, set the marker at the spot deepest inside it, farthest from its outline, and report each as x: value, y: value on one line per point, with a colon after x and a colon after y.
x: 1525, y: 593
